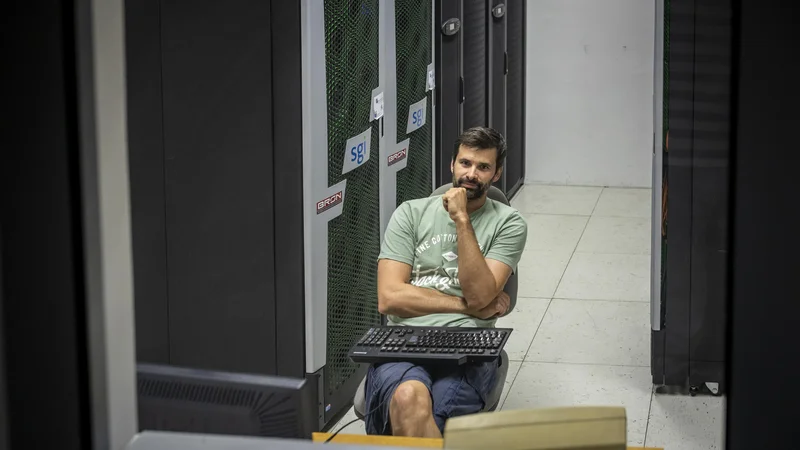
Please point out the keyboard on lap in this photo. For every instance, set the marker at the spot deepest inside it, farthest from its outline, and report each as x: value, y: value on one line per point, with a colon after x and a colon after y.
x: 429, y: 345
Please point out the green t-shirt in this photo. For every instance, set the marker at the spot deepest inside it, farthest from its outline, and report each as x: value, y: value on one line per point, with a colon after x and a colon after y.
x: 422, y: 235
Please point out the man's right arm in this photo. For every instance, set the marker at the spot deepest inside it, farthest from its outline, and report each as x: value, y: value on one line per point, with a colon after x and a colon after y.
x: 398, y: 297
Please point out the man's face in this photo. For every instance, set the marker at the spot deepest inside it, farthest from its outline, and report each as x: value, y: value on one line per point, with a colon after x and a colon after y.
x: 475, y: 170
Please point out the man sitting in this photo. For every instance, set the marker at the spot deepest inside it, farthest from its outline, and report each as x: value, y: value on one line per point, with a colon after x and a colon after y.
x: 444, y: 262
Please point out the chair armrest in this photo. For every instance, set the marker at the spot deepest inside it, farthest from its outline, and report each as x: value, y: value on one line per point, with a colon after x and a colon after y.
x: 511, y: 289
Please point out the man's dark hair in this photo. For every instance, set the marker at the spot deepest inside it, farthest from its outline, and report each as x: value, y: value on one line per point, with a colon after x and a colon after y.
x: 483, y: 138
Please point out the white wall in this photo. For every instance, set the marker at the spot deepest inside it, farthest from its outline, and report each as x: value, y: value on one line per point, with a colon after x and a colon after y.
x: 590, y: 92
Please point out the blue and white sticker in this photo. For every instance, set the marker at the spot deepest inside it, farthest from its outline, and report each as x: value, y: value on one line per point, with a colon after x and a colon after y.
x: 356, y: 151
x: 417, y: 115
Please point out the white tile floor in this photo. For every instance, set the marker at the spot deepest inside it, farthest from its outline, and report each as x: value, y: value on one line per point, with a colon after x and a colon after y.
x: 581, y: 326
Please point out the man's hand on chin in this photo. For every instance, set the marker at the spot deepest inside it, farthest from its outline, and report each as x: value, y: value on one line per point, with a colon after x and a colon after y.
x: 455, y: 203
x: 496, y: 307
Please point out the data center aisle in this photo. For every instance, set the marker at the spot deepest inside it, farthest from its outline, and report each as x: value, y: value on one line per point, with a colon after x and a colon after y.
x: 582, y: 322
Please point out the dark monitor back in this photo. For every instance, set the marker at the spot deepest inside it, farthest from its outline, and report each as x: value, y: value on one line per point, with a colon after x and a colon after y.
x: 202, y: 401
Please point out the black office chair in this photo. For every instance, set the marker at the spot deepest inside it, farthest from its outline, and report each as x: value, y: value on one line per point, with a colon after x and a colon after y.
x: 493, y: 399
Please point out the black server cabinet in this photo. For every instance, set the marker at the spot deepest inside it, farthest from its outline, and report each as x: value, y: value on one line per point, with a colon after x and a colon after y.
x: 216, y: 211
x: 214, y: 117
x: 514, y: 171
x: 496, y: 19
x: 475, y: 69
x: 485, y: 52
x: 761, y: 399
x: 46, y: 223
x: 449, y: 93
x: 688, y: 348
x: 250, y: 219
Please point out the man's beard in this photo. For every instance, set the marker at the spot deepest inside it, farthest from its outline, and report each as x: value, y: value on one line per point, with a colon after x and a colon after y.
x: 472, y: 192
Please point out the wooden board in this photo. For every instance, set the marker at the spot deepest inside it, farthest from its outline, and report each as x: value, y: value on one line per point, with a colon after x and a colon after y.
x: 398, y: 441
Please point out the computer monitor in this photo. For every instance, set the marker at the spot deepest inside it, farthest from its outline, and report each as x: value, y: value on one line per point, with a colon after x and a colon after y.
x: 203, y: 401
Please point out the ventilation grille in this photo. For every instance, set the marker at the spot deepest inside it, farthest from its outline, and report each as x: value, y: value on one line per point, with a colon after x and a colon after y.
x: 351, y: 62
x: 276, y: 415
x: 413, y: 34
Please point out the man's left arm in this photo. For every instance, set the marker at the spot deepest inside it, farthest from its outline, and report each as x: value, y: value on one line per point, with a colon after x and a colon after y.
x: 483, y: 278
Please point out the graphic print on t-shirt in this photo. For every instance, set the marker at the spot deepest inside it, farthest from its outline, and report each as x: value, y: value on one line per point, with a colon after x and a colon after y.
x: 436, y: 278
x: 444, y: 276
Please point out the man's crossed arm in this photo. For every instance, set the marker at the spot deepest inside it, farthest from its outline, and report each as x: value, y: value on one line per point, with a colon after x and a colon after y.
x: 398, y: 297
x: 482, y: 279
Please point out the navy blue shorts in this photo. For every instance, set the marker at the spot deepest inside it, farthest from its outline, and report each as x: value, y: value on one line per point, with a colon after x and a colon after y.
x: 455, y: 391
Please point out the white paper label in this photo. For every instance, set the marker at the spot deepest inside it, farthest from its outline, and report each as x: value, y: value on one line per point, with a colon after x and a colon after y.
x: 356, y: 151
x: 450, y: 256
x: 430, y: 84
x: 377, y: 106
x: 416, y: 115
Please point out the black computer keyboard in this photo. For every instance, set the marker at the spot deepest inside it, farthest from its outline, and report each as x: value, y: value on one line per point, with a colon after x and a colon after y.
x: 429, y: 345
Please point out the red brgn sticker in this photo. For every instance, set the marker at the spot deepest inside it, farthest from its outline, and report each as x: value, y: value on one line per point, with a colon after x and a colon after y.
x: 329, y: 202
x: 397, y: 157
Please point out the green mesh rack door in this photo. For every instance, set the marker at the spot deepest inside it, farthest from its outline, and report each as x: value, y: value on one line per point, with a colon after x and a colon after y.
x: 352, y: 72
x: 413, y: 22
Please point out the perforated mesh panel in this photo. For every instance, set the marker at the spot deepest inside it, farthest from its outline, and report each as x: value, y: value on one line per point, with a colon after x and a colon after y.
x: 351, y: 63
x: 413, y: 35
x: 475, y: 95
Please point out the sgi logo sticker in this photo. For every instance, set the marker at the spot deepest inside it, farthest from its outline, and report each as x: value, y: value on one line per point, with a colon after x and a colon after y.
x: 356, y: 151
x: 416, y: 115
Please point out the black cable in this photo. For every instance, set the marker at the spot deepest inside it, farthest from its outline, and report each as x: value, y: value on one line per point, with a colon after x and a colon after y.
x: 373, y: 409
x: 340, y: 429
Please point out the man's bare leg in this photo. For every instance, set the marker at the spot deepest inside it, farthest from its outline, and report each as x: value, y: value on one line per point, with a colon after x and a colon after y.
x: 411, y: 411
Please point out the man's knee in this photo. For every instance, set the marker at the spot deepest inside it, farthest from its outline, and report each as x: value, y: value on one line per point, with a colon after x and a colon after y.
x: 412, y: 398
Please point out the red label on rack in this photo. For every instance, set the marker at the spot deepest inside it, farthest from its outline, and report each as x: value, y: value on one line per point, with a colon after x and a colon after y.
x: 397, y: 157
x: 329, y: 202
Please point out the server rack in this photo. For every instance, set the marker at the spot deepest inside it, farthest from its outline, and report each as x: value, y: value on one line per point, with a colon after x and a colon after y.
x: 202, y: 140
x: 414, y: 83
x: 690, y: 206
x: 342, y: 226
x: 264, y: 167
x: 514, y: 171
x: 66, y: 337
x: 497, y: 68
x: 449, y: 115
x: 410, y: 82
x: 475, y: 69
x: 485, y: 54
